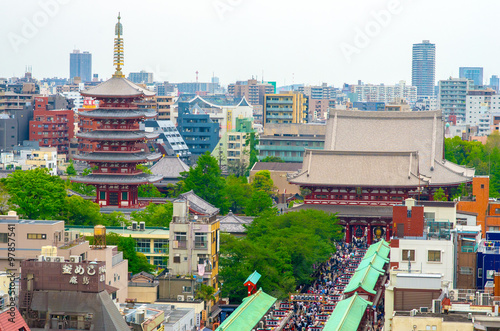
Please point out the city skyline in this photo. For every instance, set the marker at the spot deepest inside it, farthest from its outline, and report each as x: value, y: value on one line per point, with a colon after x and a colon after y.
x: 235, y: 40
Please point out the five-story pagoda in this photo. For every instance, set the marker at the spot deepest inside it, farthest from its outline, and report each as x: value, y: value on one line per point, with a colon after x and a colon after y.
x: 117, y: 143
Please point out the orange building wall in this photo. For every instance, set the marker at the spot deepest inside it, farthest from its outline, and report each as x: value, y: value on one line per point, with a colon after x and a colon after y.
x: 481, y: 190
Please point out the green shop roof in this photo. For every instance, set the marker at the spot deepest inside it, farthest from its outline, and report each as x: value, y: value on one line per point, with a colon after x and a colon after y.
x: 365, y: 278
x: 347, y: 314
x: 381, y: 247
x: 253, y: 278
x: 249, y: 313
x: 374, y: 260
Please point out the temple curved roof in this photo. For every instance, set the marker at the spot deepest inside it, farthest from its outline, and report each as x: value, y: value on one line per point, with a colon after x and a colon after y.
x: 117, y: 87
x: 119, y: 157
x: 117, y: 135
x: 119, y: 179
x: 117, y: 113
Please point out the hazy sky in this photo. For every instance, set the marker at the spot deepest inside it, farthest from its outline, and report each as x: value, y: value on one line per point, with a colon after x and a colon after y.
x: 290, y: 41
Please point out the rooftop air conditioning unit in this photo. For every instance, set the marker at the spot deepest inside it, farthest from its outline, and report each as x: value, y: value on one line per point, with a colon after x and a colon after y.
x: 180, y: 298
x: 134, y: 226
x: 424, y: 309
x: 142, y: 226
x: 66, y: 239
x: 413, y: 312
x: 75, y: 258
x: 59, y: 259
x: 49, y: 259
x: 190, y: 298
x: 41, y: 258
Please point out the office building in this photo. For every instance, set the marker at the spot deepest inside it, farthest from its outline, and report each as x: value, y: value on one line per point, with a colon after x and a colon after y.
x: 195, y: 238
x: 479, y: 110
x: 80, y: 65
x: 453, y: 98
x: 252, y: 90
x: 200, y: 133
x: 285, y: 108
x: 495, y: 83
x: 322, y: 91
x: 384, y: 93
x: 141, y: 77
x: 369, y: 106
x: 289, y: 142
x: 424, y: 68
x: 472, y: 73
x: 52, y: 128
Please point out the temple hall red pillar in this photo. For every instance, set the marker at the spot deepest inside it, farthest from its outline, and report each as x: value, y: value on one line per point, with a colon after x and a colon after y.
x: 348, y: 234
x: 369, y: 236
x: 387, y: 232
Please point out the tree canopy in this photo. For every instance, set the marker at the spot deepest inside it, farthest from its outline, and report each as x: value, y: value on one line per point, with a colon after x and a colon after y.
x: 282, y: 248
x: 154, y: 215
x: 36, y: 194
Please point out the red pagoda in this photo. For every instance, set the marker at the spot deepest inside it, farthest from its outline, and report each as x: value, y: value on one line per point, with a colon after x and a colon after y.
x: 118, y: 143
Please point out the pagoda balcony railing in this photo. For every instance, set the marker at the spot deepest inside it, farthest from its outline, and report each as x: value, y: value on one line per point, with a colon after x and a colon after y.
x: 109, y: 127
x: 117, y: 149
x: 118, y: 172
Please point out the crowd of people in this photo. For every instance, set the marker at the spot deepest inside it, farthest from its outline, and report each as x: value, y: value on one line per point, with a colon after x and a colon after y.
x: 328, y: 286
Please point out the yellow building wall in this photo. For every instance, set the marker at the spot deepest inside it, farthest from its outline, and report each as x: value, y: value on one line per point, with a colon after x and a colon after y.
x: 404, y: 323
x: 142, y: 294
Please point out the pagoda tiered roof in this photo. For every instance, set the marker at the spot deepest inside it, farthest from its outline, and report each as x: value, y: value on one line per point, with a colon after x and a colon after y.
x: 117, y: 135
x: 118, y: 179
x: 119, y: 157
x: 117, y: 87
x: 117, y: 113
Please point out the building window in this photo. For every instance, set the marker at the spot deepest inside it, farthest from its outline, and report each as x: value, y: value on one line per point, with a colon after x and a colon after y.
x: 159, y: 261
x: 37, y: 236
x: 125, y: 196
x: 161, y: 245
x: 479, y: 272
x: 143, y: 245
x: 408, y: 213
x: 4, y: 238
x: 434, y: 256
x: 102, y: 195
x: 177, y: 258
x: 465, y: 270
x: 408, y: 252
x: 200, y: 240
x: 186, y: 289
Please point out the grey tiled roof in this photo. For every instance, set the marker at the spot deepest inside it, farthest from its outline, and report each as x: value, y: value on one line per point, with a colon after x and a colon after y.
x: 198, y: 204
x: 117, y: 135
x: 397, y: 131
x: 117, y: 87
x: 169, y: 167
x: 349, y: 211
x: 119, y: 157
x: 140, y: 179
x: 116, y: 113
x: 377, y: 169
x: 234, y: 224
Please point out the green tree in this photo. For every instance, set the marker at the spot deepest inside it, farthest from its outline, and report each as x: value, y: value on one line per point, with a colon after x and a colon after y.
x: 439, y: 195
x: 206, y: 181
x: 155, y: 214
x: 206, y: 293
x: 251, y: 141
x: 82, y: 212
x: 259, y: 202
x: 35, y: 194
x: 262, y: 182
x: 115, y: 218
x: 283, y: 248
x: 70, y: 170
x: 238, y: 193
x: 87, y: 190
x: 137, y: 262
x: 272, y: 159
x: 147, y: 190
x: 4, y: 200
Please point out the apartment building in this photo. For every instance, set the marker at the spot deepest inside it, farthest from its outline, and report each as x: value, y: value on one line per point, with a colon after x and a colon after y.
x: 453, y: 97
x: 252, y: 90
x: 385, y: 93
x: 285, y: 108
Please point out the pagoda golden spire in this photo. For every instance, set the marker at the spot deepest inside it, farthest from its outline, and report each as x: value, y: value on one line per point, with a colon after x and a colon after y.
x: 118, y: 56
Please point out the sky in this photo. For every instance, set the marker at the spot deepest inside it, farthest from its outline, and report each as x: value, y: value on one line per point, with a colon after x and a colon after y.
x: 286, y: 41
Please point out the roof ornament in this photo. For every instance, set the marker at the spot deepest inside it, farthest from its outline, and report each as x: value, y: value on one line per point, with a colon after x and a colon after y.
x: 118, y: 55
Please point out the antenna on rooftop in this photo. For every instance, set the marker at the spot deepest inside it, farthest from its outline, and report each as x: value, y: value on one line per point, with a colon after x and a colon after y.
x: 197, y: 76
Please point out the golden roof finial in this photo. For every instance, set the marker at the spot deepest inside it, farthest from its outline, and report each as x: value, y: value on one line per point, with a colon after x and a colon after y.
x: 118, y: 56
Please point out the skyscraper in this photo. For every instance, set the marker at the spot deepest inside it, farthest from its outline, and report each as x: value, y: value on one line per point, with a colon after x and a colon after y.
x: 424, y: 68
x: 80, y: 65
x: 495, y: 82
x: 473, y: 73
